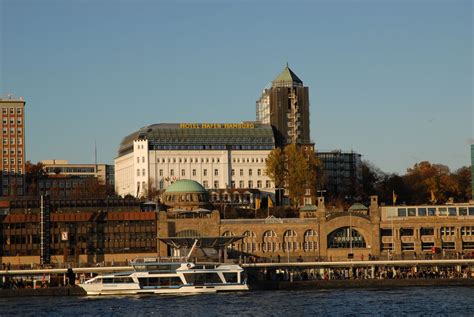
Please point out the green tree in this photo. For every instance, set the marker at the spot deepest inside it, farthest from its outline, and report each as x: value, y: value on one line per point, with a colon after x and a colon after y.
x: 275, y: 167
x: 297, y: 168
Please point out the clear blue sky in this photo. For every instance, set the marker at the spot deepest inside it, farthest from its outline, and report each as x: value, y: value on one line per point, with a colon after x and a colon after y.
x: 392, y: 80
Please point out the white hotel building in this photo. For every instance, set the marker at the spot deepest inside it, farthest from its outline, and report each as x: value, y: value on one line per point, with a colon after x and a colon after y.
x: 217, y: 155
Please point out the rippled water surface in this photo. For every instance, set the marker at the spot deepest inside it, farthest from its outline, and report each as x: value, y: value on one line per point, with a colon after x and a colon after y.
x: 418, y: 301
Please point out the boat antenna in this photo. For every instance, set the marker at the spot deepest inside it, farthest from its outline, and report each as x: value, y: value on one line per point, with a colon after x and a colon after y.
x: 192, y: 249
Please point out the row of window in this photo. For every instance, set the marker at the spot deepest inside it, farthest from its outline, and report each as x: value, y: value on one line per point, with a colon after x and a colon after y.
x: 12, y: 130
x: 203, y: 160
x: 12, y: 170
x: 12, y: 141
x: 268, y: 146
x: 19, y: 121
x: 435, y: 211
x: 12, y: 111
x: 444, y: 231
x: 204, y: 172
x: 12, y: 161
x: 12, y: 151
x: 428, y: 246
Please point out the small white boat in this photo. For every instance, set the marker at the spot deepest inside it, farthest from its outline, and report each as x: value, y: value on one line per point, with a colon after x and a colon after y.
x: 168, y: 275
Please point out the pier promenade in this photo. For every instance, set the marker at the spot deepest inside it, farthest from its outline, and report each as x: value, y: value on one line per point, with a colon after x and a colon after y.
x: 267, y: 276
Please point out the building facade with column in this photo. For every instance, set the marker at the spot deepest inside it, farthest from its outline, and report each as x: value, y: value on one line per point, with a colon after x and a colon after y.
x: 12, y: 163
x: 217, y: 155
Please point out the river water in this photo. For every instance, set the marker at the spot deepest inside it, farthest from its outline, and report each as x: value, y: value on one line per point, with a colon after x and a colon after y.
x: 413, y: 301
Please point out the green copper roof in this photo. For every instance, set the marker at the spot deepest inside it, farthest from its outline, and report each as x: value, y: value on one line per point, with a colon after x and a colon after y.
x: 185, y: 186
x: 286, y: 78
x: 357, y: 206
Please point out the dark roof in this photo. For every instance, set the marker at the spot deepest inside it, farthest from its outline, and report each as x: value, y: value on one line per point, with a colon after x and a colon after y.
x: 176, y: 136
x: 287, y: 78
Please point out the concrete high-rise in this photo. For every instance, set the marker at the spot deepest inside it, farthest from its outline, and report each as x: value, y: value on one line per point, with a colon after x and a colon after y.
x: 12, y: 163
x: 285, y: 105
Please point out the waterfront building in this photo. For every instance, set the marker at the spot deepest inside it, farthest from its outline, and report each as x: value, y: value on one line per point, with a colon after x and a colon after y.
x: 12, y: 163
x: 342, y: 173
x: 285, y: 106
x: 104, y: 173
x: 217, y: 155
x: 89, y: 232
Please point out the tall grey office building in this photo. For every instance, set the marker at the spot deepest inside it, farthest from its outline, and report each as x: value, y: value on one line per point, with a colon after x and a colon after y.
x: 285, y: 105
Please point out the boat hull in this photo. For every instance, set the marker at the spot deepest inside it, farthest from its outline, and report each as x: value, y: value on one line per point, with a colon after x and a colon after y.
x: 91, y: 290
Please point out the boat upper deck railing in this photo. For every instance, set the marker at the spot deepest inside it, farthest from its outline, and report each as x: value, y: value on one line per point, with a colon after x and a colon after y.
x: 162, y: 259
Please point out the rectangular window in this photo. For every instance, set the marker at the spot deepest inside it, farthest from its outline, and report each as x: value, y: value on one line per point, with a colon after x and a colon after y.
x: 143, y: 172
x: 411, y: 212
x: 259, y: 184
x: 183, y: 172
x: 138, y: 159
x: 4, y: 110
x: 216, y: 184
x: 241, y: 172
x: 241, y: 184
x: 143, y: 159
x: 443, y: 211
x: 421, y: 212
x: 194, y: 172
x: 452, y: 211
x: 402, y: 212
x: 138, y: 172
x: 204, y: 172
x: 462, y: 211
x: 259, y: 172
x: 216, y: 172
x: 267, y: 184
x: 431, y: 211
x: 172, y: 172
x: 205, y: 184
x: 232, y: 184
x: 18, y: 110
x: 250, y: 172
x: 250, y: 184
x: 232, y: 172
x: 406, y: 232
x: 427, y: 231
x: 161, y: 172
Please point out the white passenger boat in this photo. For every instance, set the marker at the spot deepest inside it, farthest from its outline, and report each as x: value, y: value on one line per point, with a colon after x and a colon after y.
x: 168, y: 275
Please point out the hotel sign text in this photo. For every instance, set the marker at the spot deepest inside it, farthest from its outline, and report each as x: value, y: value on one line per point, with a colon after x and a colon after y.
x: 216, y: 126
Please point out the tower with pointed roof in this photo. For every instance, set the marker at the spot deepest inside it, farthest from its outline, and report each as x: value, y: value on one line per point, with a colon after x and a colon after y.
x: 285, y: 105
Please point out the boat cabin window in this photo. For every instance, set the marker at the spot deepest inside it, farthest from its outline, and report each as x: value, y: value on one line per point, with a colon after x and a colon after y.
x: 202, y: 278
x: 115, y: 280
x: 159, y: 281
x: 230, y: 277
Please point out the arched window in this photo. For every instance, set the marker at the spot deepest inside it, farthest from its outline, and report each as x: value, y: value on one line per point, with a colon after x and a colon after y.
x: 310, y: 241
x: 269, y: 241
x: 290, y: 242
x: 249, y: 243
x: 341, y: 239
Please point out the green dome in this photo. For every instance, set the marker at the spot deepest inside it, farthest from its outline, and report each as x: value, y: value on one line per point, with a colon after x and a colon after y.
x: 185, y: 186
